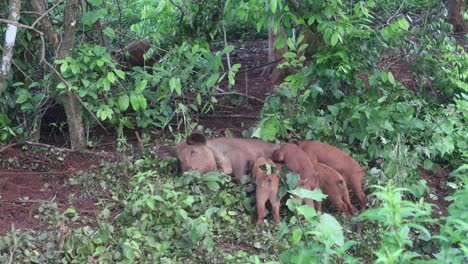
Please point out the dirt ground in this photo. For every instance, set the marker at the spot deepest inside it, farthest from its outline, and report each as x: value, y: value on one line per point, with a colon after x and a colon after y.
x: 29, y: 178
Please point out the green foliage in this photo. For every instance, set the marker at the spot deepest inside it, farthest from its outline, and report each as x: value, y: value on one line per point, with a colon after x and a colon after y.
x: 399, y: 218
x: 318, y: 238
x: 454, y: 230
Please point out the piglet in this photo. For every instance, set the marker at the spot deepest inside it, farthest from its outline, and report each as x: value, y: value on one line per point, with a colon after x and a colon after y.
x: 267, y: 188
x: 351, y: 171
x: 298, y: 161
x: 333, y: 185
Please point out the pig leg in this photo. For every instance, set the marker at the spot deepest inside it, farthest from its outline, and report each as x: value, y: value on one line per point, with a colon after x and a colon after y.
x: 356, y: 186
x: 239, y: 170
x: 338, y: 203
x: 350, y: 208
x: 362, y: 199
x: 310, y: 203
x: 261, y: 199
x: 318, y: 206
x: 275, y: 203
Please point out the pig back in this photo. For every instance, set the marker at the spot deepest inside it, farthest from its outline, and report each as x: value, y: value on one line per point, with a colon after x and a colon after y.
x: 238, y: 153
x: 331, y: 156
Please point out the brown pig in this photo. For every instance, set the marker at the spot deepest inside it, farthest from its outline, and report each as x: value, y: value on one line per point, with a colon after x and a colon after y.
x: 333, y: 185
x: 341, y: 162
x: 267, y: 189
x: 298, y: 161
x: 230, y: 155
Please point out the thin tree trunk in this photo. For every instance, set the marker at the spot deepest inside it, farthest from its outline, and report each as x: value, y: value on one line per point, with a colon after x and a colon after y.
x: 46, y: 24
x: 64, y: 49
x: 10, y: 38
x: 271, y: 42
x: 455, y: 10
x: 68, y: 99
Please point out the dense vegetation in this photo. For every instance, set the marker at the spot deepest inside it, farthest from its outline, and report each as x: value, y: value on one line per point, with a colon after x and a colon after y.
x: 383, y: 80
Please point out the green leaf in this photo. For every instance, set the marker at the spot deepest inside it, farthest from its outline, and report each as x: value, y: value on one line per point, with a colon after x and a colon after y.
x: 95, y: 3
x: 135, y: 102
x: 334, y: 39
x: 89, y: 18
x: 141, y: 86
x: 307, y: 211
x: 198, y: 229
x: 23, y: 96
x: 228, y: 49
x: 142, y: 102
x: 61, y: 86
x: 106, y: 85
x: 212, y: 80
x: 329, y: 231
x: 334, y: 110
x: 212, y: 176
x: 63, y: 67
x: 111, y: 77
x: 124, y: 102
x: 119, y: 73
x: 214, y: 186
x: 296, y: 235
x: 391, y: 79
x: 273, y: 6
x: 403, y: 23
x: 128, y: 251
x: 292, y: 178
x: 100, y: 62
x: 71, y: 210
x: 105, y: 213
x: 85, y: 83
x: 174, y: 84
x: 75, y: 68
x: 26, y: 107
x: 109, y: 32
x: 150, y: 204
x: 316, y: 194
x: 289, y: 55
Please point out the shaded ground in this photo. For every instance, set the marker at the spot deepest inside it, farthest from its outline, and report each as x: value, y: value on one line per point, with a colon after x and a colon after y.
x: 234, y: 112
x: 29, y: 178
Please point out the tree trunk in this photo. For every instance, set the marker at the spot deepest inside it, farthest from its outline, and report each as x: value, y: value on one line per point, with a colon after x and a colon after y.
x: 271, y: 43
x: 455, y: 10
x: 10, y: 37
x: 63, y: 50
x: 68, y: 99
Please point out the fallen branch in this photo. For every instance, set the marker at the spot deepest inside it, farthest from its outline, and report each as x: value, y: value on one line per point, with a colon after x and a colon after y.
x: 140, y: 143
x: 7, y: 147
x: 23, y: 201
x: 241, y: 94
x: 229, y: 116
x: 67, y: 150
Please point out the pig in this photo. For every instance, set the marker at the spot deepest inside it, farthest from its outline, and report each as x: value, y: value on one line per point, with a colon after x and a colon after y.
x: 267, y: 186
x: 133, y: 54
x: 230, y: 155
x: 333, y: 185
x: 351, y: 171
x: 298, y: 161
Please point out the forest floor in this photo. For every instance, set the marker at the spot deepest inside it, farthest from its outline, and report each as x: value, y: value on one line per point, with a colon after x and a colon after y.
x: 31, y: 176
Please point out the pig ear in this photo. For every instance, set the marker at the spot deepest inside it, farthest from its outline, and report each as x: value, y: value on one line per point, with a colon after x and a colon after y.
x: 196, y: 139
x: 165, y: 152
x: 277, y: 156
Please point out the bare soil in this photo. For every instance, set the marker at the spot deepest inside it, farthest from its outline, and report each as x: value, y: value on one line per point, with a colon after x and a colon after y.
x: 30, y: 178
